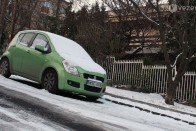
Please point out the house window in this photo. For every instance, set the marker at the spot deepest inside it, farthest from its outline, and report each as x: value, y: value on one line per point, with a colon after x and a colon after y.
x: 46, y: 6
x: 47, y: 3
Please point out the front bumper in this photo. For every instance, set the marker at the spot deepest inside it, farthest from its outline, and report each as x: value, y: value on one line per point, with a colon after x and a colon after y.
x: 77, y: 84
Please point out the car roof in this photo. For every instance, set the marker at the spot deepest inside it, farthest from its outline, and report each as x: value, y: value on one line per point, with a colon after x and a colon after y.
x: 33, y: 31
x: 63, y: 45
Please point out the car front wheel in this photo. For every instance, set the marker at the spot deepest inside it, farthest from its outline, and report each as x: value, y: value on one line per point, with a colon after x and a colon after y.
x: 50, y: 81
x: 5, y: 67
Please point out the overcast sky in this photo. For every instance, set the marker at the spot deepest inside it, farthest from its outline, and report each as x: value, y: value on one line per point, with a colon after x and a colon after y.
x: 78, y: 4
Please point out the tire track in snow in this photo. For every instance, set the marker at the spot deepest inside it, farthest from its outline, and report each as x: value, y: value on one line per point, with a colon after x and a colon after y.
x: 148, y: 111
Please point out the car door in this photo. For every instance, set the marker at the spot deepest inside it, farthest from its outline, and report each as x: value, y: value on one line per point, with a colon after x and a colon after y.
x: 34, y: 60
x: 18, y: 51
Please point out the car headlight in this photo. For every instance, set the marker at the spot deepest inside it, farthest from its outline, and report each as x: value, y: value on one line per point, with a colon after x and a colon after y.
x: 70, y: 68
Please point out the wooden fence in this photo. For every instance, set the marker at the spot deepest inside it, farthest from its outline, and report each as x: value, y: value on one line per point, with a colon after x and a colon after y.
x: 154, y: 78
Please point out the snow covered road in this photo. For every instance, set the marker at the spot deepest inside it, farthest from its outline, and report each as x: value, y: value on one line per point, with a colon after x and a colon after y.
x: 14, y: 117
x: 17, y: 113
x: 109, y: 115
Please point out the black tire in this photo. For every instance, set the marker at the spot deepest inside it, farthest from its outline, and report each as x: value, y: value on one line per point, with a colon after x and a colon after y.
x: 50, y: 81
x: 5, y: 67
x: 91, y: 98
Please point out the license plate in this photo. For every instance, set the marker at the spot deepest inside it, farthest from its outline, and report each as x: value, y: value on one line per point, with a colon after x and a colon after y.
x: 94, y: 83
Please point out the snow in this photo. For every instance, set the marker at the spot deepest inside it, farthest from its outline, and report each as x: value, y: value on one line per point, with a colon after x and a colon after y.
x: 74, y: 53
x: 151, y: 98
x: 66, y: 46
x: 23, y: 121
x: 115, y: 114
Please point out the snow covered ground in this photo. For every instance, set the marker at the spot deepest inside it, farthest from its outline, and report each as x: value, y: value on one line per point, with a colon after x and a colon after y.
x: 151, y: 98
x: 108, y: 112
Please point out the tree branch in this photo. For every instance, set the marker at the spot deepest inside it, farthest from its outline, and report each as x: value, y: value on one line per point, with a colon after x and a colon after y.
x: 153, y: 6
x: 142, y: 13
x: 176, y: 60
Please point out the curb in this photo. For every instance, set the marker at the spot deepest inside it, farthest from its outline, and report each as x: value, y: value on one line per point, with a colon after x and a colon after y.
x: 153, y: 105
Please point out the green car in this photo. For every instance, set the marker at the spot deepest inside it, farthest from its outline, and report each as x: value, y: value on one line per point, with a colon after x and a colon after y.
x: 54, y: 61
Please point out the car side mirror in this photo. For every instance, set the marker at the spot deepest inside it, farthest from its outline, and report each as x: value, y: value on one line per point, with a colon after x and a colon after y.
x: 41, y: 48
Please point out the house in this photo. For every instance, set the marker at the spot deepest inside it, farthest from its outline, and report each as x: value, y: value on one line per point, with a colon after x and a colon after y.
x: 144, y: 37
x: 46, y: 11
x: 49, y: 7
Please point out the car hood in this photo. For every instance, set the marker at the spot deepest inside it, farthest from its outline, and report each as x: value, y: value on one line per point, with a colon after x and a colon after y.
x: 85, y: 64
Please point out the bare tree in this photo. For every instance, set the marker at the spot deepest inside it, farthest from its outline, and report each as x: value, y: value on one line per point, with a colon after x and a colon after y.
x: 3, y: 10
x: 179, y: 27
x: 4, y: 20
x: 13, y: 22
x: 136, y: 30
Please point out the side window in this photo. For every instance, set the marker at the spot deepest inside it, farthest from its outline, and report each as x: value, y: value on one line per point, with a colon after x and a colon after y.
x: 40, y: 40
x: 20, y: 37
x: 26, y: 39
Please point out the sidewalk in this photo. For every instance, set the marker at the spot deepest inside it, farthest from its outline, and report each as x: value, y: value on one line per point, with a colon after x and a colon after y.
x: 150, y: 99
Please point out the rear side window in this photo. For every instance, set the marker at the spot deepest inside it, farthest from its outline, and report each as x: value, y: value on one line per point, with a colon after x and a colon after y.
x: 40, y: 40
x: 20, y: 37
x: 25, y: 39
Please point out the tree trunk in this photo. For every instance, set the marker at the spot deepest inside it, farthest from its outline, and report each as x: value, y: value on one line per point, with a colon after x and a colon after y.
x: 57, y: 16
x: 3, y: 25
x: 13, y: 20
x: 171, y: 92
x: 2, y: 15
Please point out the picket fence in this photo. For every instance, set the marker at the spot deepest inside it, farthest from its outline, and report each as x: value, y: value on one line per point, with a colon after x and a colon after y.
x: 154, y: 78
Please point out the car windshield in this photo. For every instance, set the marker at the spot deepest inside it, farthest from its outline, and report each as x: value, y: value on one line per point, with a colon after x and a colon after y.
x: 66, y: 46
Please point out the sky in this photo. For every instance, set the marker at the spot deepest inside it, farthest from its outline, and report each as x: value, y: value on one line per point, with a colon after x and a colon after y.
x: 78, y: 4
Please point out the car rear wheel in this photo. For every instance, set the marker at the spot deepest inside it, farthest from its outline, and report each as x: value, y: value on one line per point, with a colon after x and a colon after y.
x: 5, y: 67
x: 50, y: 81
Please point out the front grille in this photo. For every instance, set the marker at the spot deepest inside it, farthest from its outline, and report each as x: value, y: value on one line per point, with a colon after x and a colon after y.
x: 86, y: 76
x: 92, y: 89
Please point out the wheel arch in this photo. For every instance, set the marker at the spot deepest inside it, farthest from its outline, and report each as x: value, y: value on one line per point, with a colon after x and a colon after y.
x: 6, y: 57
x: 48, y: 68
x: 55, y: 87
x: 57, y: 70
x: 57, y: 67
x: 7, y: 73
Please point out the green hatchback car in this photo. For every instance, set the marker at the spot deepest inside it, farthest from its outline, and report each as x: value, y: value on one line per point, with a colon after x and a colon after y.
x: 54, y: 61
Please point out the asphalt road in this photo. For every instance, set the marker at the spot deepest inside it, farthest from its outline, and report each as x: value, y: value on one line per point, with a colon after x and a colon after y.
x: 29, y: 109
